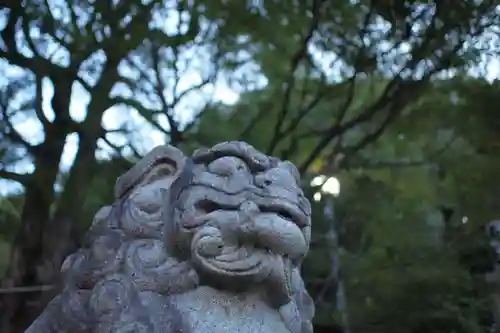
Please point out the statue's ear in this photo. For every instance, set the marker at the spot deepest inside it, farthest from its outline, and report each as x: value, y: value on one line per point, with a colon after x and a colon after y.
x: 162, y: 163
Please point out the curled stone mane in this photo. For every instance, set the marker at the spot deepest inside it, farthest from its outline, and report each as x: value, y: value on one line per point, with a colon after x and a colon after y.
x: 186, y: 232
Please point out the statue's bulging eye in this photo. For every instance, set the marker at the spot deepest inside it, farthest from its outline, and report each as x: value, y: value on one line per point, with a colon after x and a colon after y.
x: 167, y: 170
x: 226, y: 166
x: 164, y: 170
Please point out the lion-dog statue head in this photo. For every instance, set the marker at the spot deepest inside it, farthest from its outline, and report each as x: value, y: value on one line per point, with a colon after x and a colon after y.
x: 209, y: 243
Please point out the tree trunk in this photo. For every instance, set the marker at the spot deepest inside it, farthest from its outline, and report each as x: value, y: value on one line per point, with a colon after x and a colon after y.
x: 25, y: 268
x: 62, y: 235
x: 56, y: 235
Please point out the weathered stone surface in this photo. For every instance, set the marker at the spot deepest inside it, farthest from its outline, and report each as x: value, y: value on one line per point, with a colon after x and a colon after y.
x: 210, y: 243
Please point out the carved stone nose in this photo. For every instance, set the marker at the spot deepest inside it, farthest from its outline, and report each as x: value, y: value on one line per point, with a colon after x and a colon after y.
x: 249, y: 209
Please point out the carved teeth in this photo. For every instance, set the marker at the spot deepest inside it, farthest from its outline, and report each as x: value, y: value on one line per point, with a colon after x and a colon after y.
x: 245, y: 265
x: 232, y: 256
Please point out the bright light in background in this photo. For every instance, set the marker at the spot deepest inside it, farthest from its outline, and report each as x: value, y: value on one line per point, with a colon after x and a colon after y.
x: 328, y: 185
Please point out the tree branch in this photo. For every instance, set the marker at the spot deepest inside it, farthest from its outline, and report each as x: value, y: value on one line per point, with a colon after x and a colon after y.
x: 394, y: 96
x: 340, y: 115
x: 362, y: 163
x: 6, y: 97
x: 339, y: 129
x: 253, y: 122
x: 143, y: 111
x: 17, y: 177
x: 39, y: 102
x: 175, y: 133
x: 290, y: 82
x: 37, y: 64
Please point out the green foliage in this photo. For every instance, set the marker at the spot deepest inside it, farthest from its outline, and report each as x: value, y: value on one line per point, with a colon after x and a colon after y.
x: 408, y: 266
x: 10, y: 214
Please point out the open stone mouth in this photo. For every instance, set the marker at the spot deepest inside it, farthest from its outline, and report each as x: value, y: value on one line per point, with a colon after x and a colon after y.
x: 237, y: 259
x: 239, y: 262
x: 252, y: 229
x: 249, y: 260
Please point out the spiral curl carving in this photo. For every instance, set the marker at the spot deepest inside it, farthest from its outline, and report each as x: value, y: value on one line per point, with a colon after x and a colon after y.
x: 142, y: 214
x: 153, y: 270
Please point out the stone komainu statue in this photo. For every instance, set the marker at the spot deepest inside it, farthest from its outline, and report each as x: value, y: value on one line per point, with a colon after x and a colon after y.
x: 210, y: 243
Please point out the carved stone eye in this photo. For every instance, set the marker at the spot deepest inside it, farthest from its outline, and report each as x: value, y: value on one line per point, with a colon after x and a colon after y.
x: 167, y: 170
x: 292, y: 169
x: 275, y: 177
x: 226, y: 166
x: 161, y: 171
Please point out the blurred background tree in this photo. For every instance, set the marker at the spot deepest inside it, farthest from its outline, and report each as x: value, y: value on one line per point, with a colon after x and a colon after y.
x: 395, y: 99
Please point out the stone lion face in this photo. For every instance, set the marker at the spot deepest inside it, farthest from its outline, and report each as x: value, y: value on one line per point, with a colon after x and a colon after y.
x: 229, y: 217
x: 241, y: 218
